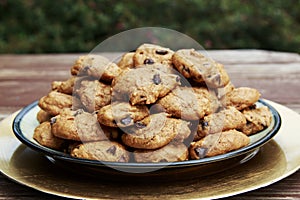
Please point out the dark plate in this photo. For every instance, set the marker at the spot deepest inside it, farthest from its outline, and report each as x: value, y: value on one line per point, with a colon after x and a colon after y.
x: 25, y: 123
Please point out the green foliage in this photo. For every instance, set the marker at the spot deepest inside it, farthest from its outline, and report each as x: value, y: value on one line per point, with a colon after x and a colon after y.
x: 55, y: 26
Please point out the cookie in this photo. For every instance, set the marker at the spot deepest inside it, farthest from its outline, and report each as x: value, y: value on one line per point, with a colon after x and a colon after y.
x: 257, y: 120
x: 194, y: 65
x: 149, y: 54
x: 187, y: 103
x: 65, y: 87
x: 43, y: 116
x: 155, y: 131
x: 241, y: 97
x: 43, y: 135
x: 168, y: 153
x: 121, y: 114
x: 143, y: 85
x: 80, y: 126
x: 220, y: 92
x: 94, y: 94
x: 218, y: 143
x: 214, y: 102
x: 96, y: 66
x: 126, y: 61
x: 162, y: 68
x: 71, y: 145
x: 54, y: 102
x: 226, y: 119
x: 81, y: 65
x: 77, y: 103
x: 101, y: 151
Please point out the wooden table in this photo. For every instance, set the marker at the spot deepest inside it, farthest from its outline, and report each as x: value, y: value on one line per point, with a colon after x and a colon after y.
x: 25, y: 78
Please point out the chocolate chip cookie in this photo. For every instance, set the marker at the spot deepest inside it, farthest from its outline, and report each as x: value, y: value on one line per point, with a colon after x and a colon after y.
x: 43, y: 116
x: 149, y: 54
x: 102, y: 151
x: 121, y: 114
x: 54, y: 102
x: 43, y: 135
x: 257, y: 120
x: 143, y: 85
x: 192, y: 64
x: 241, y: 97
x: 80, y: 126
x: 155, y: 131
x: 168, y: 153
x: 94, y: 94
x: 226, y: 119
x: 126, y: 61
x: 220, y: 92
x: 65, y: 87
x: 218, y: 143
x: 96, y: 66
x: 187, y: 103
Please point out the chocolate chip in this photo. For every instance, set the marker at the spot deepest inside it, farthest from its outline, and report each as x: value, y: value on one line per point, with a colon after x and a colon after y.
x: 78, y: 112
x: 185, y: 69
x: 86, y: 68
x: 122, y: 159
x: 156, y: 79
x: 148, y: 61
x: 52, y: 120
x: 95, y: 112
x: 161, y: 52
x: 217, y: 79
x: 201, y: 152
x: 253, y: 106
x: 112, y: 150
x: 163, y: 160
x: 204, y: 124
x: 140, y: 125
x: 127, y: 120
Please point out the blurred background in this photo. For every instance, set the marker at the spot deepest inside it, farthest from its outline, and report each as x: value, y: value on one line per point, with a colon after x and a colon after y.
x: 53, y: 26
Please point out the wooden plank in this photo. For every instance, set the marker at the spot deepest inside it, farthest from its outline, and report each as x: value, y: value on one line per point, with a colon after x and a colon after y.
x: 21, y: 93
x: 294, y: 107
x: 223, y: 56
x: 252, y: 56
x: 8, y: 110
x: 285, y: 189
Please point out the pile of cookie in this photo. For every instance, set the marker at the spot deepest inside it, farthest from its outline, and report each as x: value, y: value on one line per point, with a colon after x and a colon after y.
x: 153, y: 105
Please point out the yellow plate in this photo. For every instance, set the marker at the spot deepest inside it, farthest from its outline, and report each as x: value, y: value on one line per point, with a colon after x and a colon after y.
x: 275, y: 161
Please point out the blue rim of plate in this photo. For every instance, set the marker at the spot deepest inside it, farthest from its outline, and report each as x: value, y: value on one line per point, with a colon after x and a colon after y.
x: 66, y: 157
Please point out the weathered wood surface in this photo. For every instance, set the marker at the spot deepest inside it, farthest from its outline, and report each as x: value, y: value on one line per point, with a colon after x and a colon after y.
x: 25, y: 78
